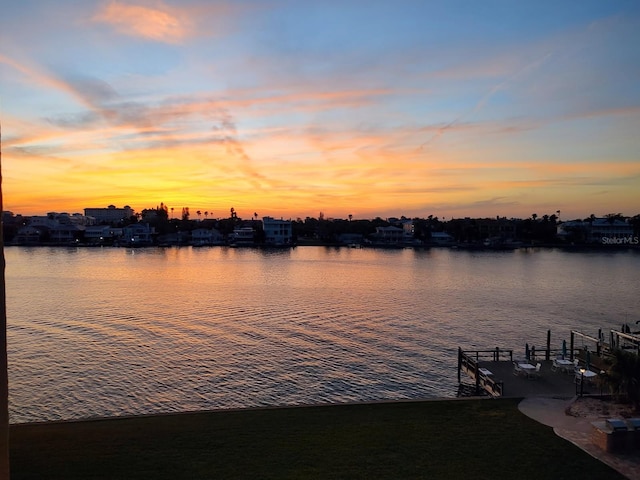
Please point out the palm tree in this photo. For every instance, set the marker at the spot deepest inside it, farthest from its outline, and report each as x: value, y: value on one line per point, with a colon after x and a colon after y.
x: 623, y: 376
x: 4, y: 372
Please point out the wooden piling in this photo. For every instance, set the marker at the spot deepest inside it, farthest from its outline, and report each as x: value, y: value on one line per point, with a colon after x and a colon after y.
x: 571, y: 347
x: 546, y: 356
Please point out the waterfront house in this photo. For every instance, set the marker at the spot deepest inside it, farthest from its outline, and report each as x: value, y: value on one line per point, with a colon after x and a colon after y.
x: 388, y: 236
x: 206, y: 236
x: 66, y: 234
x: 137, y: 235
x: 98, y: 235
x: 29, y: 235
x: 613, y: 231
x: 604, y: 231
x: 242, y: 237
x: 277, y: 232
x: 441, y: 238
x: 56, y: 228
x: 573, y: 231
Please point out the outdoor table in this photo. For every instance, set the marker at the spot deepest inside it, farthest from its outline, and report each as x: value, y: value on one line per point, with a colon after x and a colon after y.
x: 566, y: 365
x: 528, y: 369
x: 587, y: 375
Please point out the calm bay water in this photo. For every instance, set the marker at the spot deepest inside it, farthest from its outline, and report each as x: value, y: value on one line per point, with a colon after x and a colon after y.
x: 109, y: 332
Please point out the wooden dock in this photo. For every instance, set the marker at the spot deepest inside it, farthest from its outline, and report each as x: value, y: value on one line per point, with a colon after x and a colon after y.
x: 495, y: 376
x: 492, y: 371
x: 549, y: 383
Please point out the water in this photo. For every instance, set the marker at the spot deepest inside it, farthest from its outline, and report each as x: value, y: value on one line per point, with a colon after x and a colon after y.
x: 110, y: 332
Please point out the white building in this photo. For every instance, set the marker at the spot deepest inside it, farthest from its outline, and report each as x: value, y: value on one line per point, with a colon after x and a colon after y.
x: 111, y: 214
x: 58, y: 228
x: 207, y: 236
x: 55, y: 219
x: 604, y: 230
x: 598, y: 230
x: 137, y: 235
x: 242, y: 237
x: 277, y: 232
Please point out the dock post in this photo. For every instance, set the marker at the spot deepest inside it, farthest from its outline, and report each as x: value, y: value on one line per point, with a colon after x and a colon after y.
x: 459, y: 362
x: 571, y: 347
x: 546, y: 357
x: 497, y: 357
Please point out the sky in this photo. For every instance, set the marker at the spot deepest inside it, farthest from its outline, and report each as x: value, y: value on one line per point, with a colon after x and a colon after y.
x: 292, y: 108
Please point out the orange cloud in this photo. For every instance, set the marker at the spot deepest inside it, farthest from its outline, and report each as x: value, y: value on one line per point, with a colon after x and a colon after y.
x: 162, y: 24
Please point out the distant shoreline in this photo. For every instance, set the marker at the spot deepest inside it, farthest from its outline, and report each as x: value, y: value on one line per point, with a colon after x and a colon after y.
x: 456, y: 246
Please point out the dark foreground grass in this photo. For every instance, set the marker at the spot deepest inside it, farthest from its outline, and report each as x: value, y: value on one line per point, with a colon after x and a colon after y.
x: 466, y: 439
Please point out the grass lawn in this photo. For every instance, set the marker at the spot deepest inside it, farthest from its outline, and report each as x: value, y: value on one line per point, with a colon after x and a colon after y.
x: 466, y: 439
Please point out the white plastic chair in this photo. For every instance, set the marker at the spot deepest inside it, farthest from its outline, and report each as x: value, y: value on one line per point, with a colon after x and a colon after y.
x: 537, y: 373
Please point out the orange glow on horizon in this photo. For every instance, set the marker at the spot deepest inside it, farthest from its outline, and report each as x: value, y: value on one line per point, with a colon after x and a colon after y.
x: 218, y: 106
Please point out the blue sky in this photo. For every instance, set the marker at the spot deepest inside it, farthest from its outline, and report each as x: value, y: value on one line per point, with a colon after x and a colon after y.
x: 291, y: 108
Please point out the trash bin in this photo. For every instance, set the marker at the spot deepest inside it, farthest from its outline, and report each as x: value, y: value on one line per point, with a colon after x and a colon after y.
x: 617, y: 439
x: 634, y: 428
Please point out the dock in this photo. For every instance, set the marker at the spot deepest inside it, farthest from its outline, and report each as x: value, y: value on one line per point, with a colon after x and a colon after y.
x: 497, y: 379
x: 549, y: 383
x: 493, y: 372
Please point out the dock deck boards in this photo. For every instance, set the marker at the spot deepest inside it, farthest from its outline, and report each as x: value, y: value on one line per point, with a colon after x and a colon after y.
x: 550, y: 383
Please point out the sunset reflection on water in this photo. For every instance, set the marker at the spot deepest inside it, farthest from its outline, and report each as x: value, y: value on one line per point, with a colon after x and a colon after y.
x: 105, y: 332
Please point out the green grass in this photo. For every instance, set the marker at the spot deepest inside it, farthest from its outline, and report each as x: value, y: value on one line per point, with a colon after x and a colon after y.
x: 479, y: 439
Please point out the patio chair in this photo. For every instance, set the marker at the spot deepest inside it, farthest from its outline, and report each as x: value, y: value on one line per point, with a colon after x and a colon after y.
x: 517, y: 371
x: 554, y: 365
x: 535, y: 373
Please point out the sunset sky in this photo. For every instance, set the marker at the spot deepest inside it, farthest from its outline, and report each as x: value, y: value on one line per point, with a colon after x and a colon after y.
x: 291, y: 108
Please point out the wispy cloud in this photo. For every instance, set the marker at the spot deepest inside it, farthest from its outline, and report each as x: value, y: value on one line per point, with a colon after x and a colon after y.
x: 41, y: 77
x: 160, y: 23
x: 501, y: 85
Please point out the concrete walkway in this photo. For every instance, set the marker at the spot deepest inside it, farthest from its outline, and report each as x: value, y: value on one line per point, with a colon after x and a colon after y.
x: 551, y: 411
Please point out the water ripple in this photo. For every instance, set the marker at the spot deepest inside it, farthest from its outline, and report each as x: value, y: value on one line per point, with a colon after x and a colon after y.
x: 111, y: 332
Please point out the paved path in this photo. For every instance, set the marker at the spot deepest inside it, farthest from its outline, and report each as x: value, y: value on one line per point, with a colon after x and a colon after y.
x: 550, y: 411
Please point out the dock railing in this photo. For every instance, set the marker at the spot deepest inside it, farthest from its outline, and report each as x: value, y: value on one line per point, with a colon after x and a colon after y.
x: 469, y: 362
